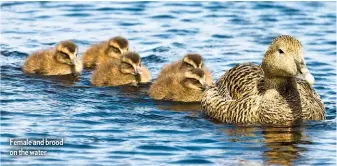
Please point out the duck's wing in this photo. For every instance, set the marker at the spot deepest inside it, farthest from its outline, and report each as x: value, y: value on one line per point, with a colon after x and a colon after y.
x: 224, y: 109
x: 235, y: 98
x: 312, y: 105
x: 241, y: 81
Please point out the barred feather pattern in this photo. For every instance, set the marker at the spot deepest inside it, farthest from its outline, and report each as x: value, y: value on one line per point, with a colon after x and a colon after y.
x: 240, y: 97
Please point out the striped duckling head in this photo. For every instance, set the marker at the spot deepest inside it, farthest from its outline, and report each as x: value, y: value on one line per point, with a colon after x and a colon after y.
x: 195, y: 79
x: 66, y: 52
x: 117, y: 46
x: 191, y: 61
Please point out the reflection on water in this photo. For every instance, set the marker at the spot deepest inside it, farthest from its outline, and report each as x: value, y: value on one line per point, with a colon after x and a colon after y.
x: 282, y: 144
x: 177, y: 106
x: 65, y: 80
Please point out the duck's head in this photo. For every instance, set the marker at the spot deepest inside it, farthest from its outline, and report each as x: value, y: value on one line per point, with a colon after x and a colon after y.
x: 66, y: 52
x: 191, y: 61
x: 284, y: 58
x: 131, y: 63
x: 195, y: 79
x: 117, y: 46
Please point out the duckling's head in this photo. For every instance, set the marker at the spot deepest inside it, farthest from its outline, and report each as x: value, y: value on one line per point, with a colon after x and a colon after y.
x: 131, y: 63
x: 284, y: 58
x: 191, y: 61
x: 117, y: 46
x: 195, y: 79
x: 66, y: 52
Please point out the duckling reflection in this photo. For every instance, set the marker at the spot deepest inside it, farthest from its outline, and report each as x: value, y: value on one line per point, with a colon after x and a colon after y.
x: 177, y: 106
x: 65, y: 80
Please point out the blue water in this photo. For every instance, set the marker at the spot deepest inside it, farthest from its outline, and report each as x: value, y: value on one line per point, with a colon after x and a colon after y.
x: 122, y: 125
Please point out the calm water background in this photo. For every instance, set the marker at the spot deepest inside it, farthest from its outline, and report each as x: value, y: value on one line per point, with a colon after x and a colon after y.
x: 123, y: 126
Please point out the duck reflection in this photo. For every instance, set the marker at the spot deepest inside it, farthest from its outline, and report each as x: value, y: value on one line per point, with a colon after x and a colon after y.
x: 282, y: 144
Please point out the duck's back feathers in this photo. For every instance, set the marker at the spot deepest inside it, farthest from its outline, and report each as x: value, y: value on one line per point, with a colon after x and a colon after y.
x: 241, y: 81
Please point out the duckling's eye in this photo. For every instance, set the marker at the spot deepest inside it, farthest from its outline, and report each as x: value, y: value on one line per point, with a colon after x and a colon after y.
x: 190, y: 65
x: 196, y: 82
x: 193, y: 81
x: 64, y: 55
x: 114, y: 49
x: 280, y: 51
x: 127, y: 65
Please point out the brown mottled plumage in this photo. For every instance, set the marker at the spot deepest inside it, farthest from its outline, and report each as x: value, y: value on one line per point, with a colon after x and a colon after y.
x: 105, y: 51
x: 186, y: 86
x: 269, y: 93
x: 61, y: 60
x: 189, y: 61
x: 129, y: 70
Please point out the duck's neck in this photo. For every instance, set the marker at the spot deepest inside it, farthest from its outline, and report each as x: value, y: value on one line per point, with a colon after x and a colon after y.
x: 280, y: 84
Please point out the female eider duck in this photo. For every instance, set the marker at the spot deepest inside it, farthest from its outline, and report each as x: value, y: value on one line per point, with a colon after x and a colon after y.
x: 129, y: 71
x: 186, y: 86
x: 61, y: 60
x: 189, y: 61
x: 270, y: 93
x: 105, y: 51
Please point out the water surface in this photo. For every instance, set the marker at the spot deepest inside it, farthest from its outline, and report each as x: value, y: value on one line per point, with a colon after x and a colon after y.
x: 122, y: 125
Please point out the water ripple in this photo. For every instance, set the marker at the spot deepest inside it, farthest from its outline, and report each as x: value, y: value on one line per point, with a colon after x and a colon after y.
x: 122, y: 125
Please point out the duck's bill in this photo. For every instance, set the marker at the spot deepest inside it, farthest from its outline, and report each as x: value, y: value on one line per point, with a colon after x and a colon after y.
x: 305, y: 74
x: 138, y: 71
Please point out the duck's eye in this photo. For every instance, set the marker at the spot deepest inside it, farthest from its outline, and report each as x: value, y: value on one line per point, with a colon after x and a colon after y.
x: 280, y: 51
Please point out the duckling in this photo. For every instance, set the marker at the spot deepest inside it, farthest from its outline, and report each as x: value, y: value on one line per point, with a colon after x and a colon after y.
x: 184, y: 87
x: 270, y: 93
x: 145, y: 75
x: 61, y: 60
x: 188, y: 62
x: 107, y: 50
x: 128, y: 71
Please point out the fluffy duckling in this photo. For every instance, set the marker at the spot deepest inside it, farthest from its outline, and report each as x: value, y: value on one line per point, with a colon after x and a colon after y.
x: 189, y: 61
x: 270, y: 93
x: 185, y: 87
x: 105, y: 51
x: 129, y: 70
x: 61, y: 60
